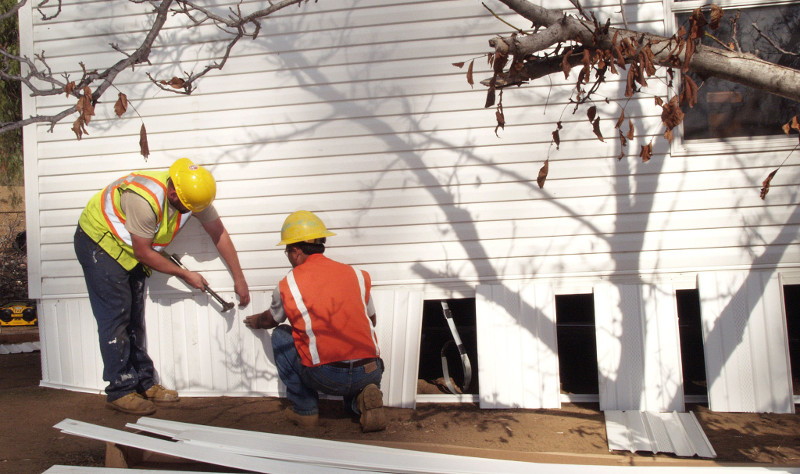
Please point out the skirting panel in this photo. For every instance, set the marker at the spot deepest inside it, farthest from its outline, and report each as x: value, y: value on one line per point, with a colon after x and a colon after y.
x: 744, y: 333
x: 638, y: 347
x: 517, y: 352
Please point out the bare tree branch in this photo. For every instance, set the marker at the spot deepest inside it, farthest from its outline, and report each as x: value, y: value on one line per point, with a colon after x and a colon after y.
x: 41, y: 80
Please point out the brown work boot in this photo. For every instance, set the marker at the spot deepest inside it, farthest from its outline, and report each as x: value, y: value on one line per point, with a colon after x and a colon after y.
x: 303, y: 421
x: 157, y: 393
x: 132, y: 403
x: 370, y: 404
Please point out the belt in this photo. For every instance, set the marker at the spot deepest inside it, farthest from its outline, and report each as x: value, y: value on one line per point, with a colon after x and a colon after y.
x: 351, y: 364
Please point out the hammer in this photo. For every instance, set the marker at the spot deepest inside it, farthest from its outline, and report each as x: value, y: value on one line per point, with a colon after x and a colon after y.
x: 225, y: 305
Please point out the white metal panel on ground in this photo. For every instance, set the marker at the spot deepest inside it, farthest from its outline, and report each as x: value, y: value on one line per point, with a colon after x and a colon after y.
x: 399, y: 324
x: 61, y: 469
x: 225, y: 444
x: 674, y: 432
x: 20, y: 347
x: 188, y: 451
x: 517, y: 354
x: 638, y: 347
x: 745, y: 341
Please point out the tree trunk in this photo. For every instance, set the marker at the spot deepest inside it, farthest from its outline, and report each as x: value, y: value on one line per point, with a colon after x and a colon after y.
x: 742, y: 68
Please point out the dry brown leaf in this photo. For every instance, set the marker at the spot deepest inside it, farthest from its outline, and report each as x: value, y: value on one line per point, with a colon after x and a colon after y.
x: 591, y: 113
x: 459, y: 64
x: 122, y: 105
x: 640, y: 76
x: 647, y: 152
x: 668, y: 135
x: 469, y: 73
x: 766, y: 183
x: 69, y: 88
x: 543, y: 173
x: 672, y: 115
x: 716, y: 16
x: 501, y: 119
x: 556, y: 138
x: 689, y: 91
x: 565, y: 66
x: 622, y: 140
x: 175, y: 83
x: 617, y: 52
x: 630, y: 80
x: 630, y: 130
x: 596, y: 129
x: 500, y: 60
x: 79, y: 128
x: 586, y: 72
x: 85, y: 107
x: 490, y: 97
x: 144, y: 149
x: 795, y: 123
x: 659, y: 101
x: 786, y: 128
x: 621, y: 119
x: 647, y: 58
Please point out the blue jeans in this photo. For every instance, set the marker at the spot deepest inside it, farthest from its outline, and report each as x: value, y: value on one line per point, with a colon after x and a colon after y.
x: 117, y: 299
x: 303, y: 384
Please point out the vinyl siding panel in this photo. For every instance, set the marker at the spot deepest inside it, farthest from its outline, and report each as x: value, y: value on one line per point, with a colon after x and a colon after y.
x: 353, y: 109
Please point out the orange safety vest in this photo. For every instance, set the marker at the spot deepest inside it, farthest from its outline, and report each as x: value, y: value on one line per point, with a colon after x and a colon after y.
x: 326, y: 303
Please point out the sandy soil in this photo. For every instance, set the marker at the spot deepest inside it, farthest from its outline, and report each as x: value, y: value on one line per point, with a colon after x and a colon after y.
x: 574, y: 434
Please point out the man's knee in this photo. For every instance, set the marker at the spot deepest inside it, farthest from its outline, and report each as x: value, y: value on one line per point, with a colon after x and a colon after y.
x: 282, y: 337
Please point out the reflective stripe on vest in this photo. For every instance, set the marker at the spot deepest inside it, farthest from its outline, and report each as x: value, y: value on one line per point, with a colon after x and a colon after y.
x: 301, y: 306
x: 363, y: 289
x: 144, y: 186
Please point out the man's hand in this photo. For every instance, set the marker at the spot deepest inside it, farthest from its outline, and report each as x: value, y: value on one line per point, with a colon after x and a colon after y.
x: 260, y: 321
x: 243, y: 292
x: 195, y: 280
x: 252, y: 321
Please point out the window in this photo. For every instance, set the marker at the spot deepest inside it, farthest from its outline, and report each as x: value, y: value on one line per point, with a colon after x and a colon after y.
x: 726, y: 110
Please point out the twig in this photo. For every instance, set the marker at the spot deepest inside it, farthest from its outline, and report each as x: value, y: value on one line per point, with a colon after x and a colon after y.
x: 772, y: 42
x: 519, y: 30
x: 624, y: 16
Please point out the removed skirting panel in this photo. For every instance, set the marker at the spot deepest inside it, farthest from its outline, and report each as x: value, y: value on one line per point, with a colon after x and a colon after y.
x: 674, y: 432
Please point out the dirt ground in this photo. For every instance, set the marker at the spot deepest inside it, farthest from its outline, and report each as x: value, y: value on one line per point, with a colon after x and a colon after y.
x: 575, y: 434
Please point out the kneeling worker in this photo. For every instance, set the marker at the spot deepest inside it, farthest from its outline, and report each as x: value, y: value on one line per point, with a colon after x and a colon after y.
x: 330, y: 344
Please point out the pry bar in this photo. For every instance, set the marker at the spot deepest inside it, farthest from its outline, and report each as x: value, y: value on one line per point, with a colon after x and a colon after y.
x: 226, y: 305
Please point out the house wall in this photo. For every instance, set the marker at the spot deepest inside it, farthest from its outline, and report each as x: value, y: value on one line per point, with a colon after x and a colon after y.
x: 354, y: 110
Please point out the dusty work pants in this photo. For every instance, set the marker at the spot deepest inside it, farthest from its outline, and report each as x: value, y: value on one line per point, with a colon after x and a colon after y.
x: 303, y: 384
x: 117, y: 299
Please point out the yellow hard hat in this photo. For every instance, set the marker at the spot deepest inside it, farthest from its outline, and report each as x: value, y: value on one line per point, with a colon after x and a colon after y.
x: 302, y: 226
x: 194, y: 184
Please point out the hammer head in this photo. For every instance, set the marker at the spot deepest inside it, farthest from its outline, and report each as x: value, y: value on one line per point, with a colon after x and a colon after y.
x: 227, y: 306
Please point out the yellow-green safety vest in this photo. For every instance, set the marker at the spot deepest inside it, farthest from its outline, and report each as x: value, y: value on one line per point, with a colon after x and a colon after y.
x: 104, y: 221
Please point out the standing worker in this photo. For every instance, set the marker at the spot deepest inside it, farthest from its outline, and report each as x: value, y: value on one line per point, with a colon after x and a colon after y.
x: 330, y: 344
x: 119, y: 236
